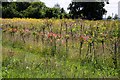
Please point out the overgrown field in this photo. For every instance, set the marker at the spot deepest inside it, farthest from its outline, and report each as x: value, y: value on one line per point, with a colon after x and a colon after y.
x: 53, y: 48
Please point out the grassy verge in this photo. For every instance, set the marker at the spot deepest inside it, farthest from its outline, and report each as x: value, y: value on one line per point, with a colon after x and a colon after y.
x: 21, y: 63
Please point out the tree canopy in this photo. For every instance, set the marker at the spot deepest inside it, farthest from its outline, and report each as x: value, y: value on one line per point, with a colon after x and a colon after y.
x: 87, y: 10
x: 30, y: 10
x: 84, y: 10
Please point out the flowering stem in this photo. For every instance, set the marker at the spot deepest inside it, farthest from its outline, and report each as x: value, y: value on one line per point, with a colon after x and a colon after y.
x: 81, y: 43
x: 66, y: 47
x: 90, y: 47
x: 115, y: 54
x: 72, y: 37
x: 53, y: 47
x: 103, y: 45
x: 23, y: 38
x: 88, y: 50
x: 66, y: 39
x: 37, y: 38
x: 93, y: 50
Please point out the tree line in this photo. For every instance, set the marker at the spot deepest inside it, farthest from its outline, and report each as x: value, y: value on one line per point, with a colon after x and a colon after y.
x: 31, y: 10
x: 89, y: 10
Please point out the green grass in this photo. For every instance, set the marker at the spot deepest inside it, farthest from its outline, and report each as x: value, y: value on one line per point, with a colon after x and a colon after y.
x: 30, y: 64
x: 38, y: 53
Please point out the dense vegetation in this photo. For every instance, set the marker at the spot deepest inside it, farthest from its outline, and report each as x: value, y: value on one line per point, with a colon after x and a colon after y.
x: 41, y: 48
x: 40, y: 10
x: 31, y: 10
x: 87, y: 10
x: 58, y: 47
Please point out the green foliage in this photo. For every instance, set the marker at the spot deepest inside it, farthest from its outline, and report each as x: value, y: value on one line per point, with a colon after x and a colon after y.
x: 9, y: 10
x: 109, y: 17
x: 57, y: 52
x: 40, y: 10
x: 87, y: 10
x: 52, y: 13
x: 30, y: 10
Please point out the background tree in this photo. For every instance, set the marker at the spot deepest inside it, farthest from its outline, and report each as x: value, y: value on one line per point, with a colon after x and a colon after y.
x: 29, y: 10
x: 52, y: 13
x: 109, y: 17
x: 116, y: 16
x: 23, y: 9
x: 57, y: 6
x: 9, y: 10
x: 4, y: 0
x: 87, y: 10
x: 35, y: 10
x: 61, y: 12
x: 0, y: 9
